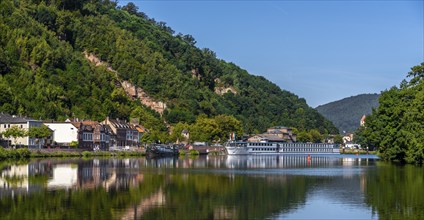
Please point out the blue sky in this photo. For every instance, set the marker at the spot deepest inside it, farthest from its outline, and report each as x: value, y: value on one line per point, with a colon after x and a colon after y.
x: 322, y: 51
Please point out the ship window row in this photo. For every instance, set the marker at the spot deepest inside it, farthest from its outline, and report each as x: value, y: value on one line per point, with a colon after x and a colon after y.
x: 295, y: 149
x: 264, y: 149
x: 307, y: 145
x: 307, y: 150
x: 260, y: 144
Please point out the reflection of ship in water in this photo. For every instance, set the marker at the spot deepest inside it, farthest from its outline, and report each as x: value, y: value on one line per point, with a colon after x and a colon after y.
x: 288, y: 161
x: 280, y: 161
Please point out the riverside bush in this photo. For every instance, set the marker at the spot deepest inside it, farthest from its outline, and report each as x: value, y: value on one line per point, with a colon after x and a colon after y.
x: 193, y: 152
x: 23, y: 153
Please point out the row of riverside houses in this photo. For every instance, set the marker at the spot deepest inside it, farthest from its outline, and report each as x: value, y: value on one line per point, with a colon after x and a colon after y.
x: 90, y: 135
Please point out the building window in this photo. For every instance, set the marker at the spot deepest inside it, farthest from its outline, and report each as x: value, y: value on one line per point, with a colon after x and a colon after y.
x: 87, y: 137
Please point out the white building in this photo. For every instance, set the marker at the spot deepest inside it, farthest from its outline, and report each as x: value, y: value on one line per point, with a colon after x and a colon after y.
x: 7, y: 121
x: 63, y: 132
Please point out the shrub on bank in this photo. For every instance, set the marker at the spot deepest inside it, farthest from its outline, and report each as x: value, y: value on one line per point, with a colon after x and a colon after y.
x: 193, y: 152
x: 182, y: 152
x: 23, y: 153
x: 14, y: 153
x: 86, y: 154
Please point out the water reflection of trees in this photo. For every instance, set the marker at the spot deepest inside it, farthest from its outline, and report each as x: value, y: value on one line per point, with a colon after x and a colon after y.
x: 154, y: 189
x: 396, y: 192
x: 203, y: 196
x: 158, y: 195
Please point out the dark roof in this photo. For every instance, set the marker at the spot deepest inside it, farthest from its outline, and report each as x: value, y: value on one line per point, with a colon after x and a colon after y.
x: 276, y: 132
x: 272, y: 137
x: 119, y: 124
x: 6, y: 118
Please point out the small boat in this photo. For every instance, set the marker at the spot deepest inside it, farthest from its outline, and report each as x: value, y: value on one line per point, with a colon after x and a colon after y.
x: 162, y: 150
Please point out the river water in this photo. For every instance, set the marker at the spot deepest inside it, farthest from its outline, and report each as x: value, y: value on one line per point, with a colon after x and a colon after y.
x: 212, y: 187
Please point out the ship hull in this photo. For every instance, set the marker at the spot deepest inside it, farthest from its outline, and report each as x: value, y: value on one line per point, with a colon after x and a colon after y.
x: 270, y: 148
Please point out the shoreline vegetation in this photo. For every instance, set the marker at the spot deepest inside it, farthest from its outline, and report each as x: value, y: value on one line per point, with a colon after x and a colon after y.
x: 22, y: 153
x: 356, y: 151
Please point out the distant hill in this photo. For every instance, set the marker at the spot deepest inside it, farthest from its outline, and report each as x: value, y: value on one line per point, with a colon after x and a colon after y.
x: 346, y: 113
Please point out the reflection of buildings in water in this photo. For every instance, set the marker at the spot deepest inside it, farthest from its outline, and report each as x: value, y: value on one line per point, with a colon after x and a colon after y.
x: 57, y: 174
x: 15, y: 176
x: 114, y: 173
x: 64, y: 176
x: 69, y: 173
x: 153, y: 201
x: 14, y: 180
x: 222, y: 212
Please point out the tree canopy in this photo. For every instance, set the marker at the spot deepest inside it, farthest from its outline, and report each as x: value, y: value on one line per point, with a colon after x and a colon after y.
x: 396, y: 127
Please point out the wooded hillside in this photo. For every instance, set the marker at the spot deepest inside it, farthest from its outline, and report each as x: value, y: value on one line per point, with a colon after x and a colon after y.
x: 45, y: 73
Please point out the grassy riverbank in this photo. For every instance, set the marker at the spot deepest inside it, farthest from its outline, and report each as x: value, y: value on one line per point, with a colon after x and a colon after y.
x: 26, y: 153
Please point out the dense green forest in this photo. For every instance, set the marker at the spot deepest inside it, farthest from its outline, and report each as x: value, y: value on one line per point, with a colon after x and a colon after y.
x: 44, y: 73
x: 395, y: 128
x: 346, y: 113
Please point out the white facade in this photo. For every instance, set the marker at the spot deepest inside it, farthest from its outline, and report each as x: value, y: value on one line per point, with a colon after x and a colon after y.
x: 30, y: 142
x: 63, y: 132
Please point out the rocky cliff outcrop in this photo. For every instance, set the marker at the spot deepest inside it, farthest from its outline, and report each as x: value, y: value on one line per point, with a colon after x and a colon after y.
x: 132, y: 91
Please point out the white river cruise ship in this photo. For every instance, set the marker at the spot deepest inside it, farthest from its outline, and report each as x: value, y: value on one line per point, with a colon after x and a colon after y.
x: 261, y: 148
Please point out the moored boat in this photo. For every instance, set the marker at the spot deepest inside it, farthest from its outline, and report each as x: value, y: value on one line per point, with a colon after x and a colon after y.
x: 162, y: 150
x: 251, y: 148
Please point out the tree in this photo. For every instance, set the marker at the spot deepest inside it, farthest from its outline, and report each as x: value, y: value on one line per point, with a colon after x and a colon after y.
x: 338, y: 139
x: 227, y: 125
x: 395, y: 128
x: 304, y: 137
x: 316, y: 136
x: 130, y: 8
x: 39, y: 133
x: 205, y: 129
x: 15, y: 132
x: 176, y: 132
x: 417, y: 73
